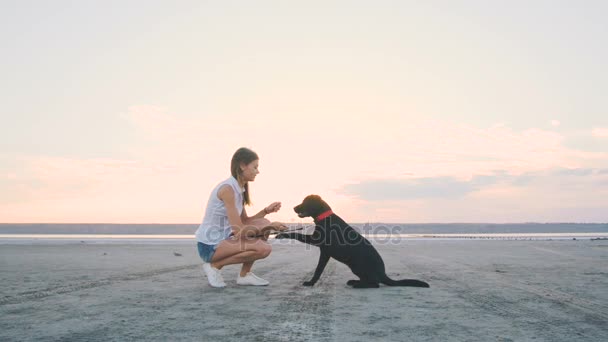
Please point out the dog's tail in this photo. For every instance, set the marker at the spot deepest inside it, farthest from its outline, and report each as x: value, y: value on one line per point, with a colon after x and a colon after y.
x: 403, y: 282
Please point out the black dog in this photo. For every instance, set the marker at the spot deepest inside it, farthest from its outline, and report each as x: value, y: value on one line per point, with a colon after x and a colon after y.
x: 338, y: 240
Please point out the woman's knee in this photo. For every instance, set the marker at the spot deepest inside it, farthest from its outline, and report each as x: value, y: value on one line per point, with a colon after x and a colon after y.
x: 263, y: 250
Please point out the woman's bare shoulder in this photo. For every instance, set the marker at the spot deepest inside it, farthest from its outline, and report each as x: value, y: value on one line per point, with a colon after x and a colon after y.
x: 225, y: 193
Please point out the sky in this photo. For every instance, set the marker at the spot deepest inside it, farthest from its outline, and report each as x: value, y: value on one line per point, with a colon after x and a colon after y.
x: 392, y: 111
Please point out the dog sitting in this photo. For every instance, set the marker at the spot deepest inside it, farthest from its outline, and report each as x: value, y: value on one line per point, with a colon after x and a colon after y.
x: 338, y: 240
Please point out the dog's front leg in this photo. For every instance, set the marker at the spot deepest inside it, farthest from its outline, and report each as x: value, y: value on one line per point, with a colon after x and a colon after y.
x: 313, y: 239
x: 323, y: 259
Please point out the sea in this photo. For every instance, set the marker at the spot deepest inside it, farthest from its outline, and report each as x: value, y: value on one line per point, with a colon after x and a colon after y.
x: 175, y: 233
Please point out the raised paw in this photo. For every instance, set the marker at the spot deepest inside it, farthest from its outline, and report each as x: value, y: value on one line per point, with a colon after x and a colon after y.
x: 308, y: 283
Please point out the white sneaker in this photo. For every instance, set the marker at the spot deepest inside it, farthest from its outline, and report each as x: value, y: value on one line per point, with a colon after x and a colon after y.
x: 251, y: 279
x: 213, y: 275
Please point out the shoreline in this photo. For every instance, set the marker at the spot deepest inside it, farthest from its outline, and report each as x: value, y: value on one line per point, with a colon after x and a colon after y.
x: 23, y: 238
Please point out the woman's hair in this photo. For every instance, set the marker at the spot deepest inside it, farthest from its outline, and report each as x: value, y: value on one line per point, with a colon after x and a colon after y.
x: 245, y: 156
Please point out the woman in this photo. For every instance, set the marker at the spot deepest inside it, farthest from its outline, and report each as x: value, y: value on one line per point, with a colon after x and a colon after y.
x: 227, y: 235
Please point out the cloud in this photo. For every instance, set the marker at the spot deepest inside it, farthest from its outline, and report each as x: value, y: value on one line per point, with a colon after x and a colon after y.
x: 53, y: 189
x: 575, y: 172
x: 399, y: 168
x: 396, y: 189
x: 453, y: 188
x: 393, y: 146
x: 600, y: 132
x: 538, y: 196
x: 419, y: 188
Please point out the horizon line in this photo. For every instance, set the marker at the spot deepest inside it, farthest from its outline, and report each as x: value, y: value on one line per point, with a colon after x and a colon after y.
x: 369, y: 222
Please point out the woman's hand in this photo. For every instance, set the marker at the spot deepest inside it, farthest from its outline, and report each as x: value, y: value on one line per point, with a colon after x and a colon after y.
x: 272, y: 208
x: 272, y: 228
x: 278, y: 226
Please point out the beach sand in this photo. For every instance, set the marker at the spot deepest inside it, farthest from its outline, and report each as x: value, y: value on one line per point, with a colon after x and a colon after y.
x: 480, y: 291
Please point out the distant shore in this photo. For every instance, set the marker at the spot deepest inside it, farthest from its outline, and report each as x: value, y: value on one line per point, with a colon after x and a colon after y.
x: 393, y: 229
x: 377, y: 238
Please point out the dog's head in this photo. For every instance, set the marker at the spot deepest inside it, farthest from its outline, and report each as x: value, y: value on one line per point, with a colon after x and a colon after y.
x: 311, y: 206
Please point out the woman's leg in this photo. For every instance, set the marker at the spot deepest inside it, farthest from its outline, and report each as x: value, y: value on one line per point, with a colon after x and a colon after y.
x: 242, y: 251
x: 258, y: 223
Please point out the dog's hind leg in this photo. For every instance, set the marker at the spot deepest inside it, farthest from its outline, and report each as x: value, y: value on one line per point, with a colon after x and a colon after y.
x: 366, y: 285
x: 365, y: 281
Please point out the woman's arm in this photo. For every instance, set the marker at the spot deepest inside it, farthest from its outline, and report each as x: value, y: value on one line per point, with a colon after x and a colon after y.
x: 226, y: 194
x: 247, y: 219
x: 264, y: 225
x: 242, y: 222
x: 272, y: 208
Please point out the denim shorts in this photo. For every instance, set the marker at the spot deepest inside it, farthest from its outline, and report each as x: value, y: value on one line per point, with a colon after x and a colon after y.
x: 206, y: 251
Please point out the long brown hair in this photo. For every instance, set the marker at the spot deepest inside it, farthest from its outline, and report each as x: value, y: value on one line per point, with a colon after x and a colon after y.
x: 245, y: 156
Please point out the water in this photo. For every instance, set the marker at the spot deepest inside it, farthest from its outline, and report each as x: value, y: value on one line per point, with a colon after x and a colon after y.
x: 369, y: 228
x: 131, y: 233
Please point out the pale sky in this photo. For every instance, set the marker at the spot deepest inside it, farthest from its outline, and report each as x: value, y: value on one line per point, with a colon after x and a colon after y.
x: 393, y: 111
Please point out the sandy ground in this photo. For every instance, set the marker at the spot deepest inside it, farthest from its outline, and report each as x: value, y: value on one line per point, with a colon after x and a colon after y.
x: 480, y: 291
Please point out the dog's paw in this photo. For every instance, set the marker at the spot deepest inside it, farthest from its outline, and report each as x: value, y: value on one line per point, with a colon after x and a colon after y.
x: 308, y: 283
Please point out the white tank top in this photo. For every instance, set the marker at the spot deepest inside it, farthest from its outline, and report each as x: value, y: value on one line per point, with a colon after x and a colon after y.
x: 215, y: 226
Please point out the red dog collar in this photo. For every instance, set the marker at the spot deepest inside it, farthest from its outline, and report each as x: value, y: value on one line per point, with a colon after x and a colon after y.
x: 324, y: 215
